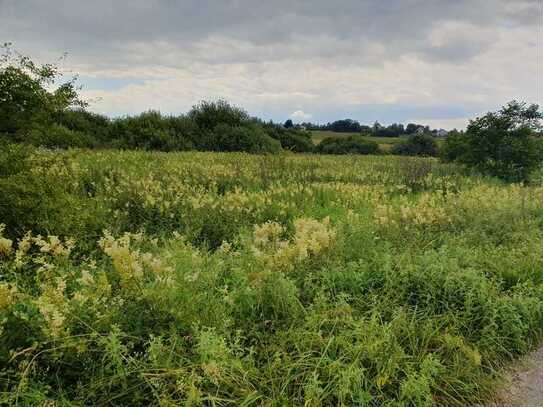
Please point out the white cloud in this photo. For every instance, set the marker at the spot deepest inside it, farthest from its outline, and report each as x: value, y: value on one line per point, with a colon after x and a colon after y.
x: 442, y: 60
x: 443, y: 123
x: 300, y: 116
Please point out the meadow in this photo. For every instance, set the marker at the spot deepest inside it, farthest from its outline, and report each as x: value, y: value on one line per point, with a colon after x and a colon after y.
x: 226, y: 279
x: 319, y: 135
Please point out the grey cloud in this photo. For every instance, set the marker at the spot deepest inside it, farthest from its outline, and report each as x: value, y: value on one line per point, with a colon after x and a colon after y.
x: 95, y: 29
x: 288, y: 55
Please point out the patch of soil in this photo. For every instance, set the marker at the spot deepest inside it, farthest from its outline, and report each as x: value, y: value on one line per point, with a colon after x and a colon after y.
x: 525, y: 384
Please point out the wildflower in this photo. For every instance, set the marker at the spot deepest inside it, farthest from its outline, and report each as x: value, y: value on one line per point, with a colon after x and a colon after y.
x: 5, y: 247
x: 127, y: 262
x: 8, y: 295
x: 5, y: 244
x: 311, y: 237
x: 53, y: 305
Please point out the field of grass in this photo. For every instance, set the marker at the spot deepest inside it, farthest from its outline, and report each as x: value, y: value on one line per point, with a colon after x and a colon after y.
x: 137, y: 278
x: 319, y: 135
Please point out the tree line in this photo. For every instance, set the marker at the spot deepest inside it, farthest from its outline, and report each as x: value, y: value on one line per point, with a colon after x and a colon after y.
x: 377, y: 130
x: 35, y: 109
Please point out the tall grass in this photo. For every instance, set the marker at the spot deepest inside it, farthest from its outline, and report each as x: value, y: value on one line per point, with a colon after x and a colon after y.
x: 136, y: 278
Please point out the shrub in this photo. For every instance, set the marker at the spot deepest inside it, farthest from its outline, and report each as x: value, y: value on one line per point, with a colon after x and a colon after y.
x: 416, y: 145
x: 291, y: 139
x: 249, y: 138
x: 95, y: 125
x: 347, y: 145
x: 453, y: 146
x: 207, y: 115
x: 148, y: 131
x: 57, y: 136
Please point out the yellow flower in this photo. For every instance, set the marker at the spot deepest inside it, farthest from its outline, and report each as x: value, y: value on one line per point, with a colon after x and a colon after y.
x: 8, y: 295
x: 5, y: 244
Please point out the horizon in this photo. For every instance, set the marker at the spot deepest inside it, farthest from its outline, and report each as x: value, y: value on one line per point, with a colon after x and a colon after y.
x: 411, y: 61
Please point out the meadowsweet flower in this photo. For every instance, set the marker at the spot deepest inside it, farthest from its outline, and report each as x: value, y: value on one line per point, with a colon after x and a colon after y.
x: 311, y: 237
x: 53, y: 305
x: 8, y: 295
x: 127, y: 262
x: 5, y: 244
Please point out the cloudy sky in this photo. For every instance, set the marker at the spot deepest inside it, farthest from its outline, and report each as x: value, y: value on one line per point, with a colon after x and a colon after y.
x: 433, y: 61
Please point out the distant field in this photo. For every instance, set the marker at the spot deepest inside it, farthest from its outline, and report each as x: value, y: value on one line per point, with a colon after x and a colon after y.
x: 319, y: 135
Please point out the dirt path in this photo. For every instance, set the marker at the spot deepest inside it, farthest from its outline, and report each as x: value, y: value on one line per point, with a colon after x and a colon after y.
x: 525, y: 387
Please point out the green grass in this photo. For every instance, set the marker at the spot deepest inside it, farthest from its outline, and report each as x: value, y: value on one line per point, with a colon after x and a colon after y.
x: 234, y: 279
x: 319, y: 135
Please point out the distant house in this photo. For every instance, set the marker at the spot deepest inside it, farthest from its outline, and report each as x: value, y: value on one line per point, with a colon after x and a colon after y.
x: 420, y: 130
x: 441, y: 133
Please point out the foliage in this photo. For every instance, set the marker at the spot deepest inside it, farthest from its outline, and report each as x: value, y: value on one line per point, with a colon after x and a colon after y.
x: 416, y: 145
x: 291, y: 139
x: 344, y: 126
x: 150, y: 131
x: 348, y: 145
x: 285, y: 279
x: 233, y: 278
x: 91, y: 124
x: 207, y: 115
x: 248, y: 138
x: 453, y: 146
x: 505, y: 143
x: 29, y: 99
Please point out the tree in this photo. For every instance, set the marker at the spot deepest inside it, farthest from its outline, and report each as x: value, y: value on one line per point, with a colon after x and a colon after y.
x: 417, y: 144
x: 29, y: 99
x: 291, y: 139
x: 289, y: 124
x: 345, y: 126
x: 505, y: 143
x: 250, y: 138
x: 454, y: 146
x: 207, y: 115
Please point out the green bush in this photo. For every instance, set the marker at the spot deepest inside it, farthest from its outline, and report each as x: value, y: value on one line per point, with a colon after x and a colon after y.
x: 347, y: 145
x: 57, y: 136
x: 291, y: 139
x: 249, y: 138
x: 29, y: 100
x: 454, y: 146
x: 33, y: 198
x: 207, y: 115
x: 95, y: 125
x: 505, y: 144
x: 422, y: 145
x: 146, y: 131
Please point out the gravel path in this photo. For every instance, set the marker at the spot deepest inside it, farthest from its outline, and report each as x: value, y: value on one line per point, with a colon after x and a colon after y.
x: 525, y: 388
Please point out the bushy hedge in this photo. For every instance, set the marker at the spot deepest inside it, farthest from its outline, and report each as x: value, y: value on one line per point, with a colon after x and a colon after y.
x: 347, y: 145
x: 209, y: 126
x: 291, y: 139
x: 416, y: 145
x: 249, y: 138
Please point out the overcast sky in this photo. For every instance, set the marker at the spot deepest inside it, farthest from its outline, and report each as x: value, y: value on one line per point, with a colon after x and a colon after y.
x: 433, y: 61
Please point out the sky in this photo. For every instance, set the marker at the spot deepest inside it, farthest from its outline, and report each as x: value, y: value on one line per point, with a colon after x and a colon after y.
x: 436, y: 62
